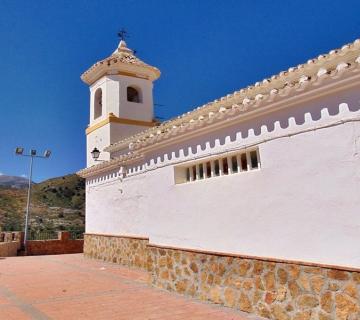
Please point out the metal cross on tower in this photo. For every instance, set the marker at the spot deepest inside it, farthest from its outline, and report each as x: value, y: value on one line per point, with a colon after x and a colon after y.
x: 123, y: 34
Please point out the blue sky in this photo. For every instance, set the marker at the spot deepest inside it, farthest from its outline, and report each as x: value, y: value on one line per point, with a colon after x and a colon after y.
x: 204, y: 49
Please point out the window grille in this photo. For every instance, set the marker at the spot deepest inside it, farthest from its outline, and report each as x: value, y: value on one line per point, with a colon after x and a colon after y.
x: 230, y: 164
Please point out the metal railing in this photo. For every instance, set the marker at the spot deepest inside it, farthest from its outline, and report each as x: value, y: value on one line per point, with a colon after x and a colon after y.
x: 54, y: 235
x: 43, y: 235
x: 76, y: 235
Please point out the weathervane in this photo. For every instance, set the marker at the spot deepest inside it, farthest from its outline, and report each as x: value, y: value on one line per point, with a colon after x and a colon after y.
x: 123, y: 34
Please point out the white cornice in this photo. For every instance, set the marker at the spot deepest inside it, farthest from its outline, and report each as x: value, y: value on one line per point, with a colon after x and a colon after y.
x: 327, y: 74
x: 281, y: 86
x: 236, y: 115
x: 109, y: 165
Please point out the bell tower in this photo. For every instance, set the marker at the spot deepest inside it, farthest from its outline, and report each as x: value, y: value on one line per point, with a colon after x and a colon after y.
x: 121, y: 99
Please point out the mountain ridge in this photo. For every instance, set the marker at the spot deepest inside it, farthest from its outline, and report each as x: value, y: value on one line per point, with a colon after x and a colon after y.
x: 13, y: 181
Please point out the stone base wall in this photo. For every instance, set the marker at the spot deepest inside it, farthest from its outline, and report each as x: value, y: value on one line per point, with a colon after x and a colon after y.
x: 272, y: 289
x: 128, y: 251
x: 9, y: 249
x: 63, y: 245
x: 10, y: 243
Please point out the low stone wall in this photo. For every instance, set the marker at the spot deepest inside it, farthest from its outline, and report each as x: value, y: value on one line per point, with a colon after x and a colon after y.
x: 125, y: 250
x: 62, y: 245
x: 9, y: 249
x: 271, y: 289
x: 10, y: 243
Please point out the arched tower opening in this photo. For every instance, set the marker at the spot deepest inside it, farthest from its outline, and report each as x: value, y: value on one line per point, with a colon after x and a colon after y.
x: 98, y: 104
x: 133, y: 94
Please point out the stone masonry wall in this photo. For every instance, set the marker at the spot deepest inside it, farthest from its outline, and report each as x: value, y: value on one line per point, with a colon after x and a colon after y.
x: 127, y: 251
x: 274, y: 290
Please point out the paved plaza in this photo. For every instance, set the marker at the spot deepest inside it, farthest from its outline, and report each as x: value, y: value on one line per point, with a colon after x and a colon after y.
x: 73, y: 287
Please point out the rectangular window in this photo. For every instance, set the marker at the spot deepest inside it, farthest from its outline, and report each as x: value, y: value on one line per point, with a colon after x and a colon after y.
x: 217, y: 168
x: 225, y: 166
x: 244, y: 164
x: 254, y: 160
x: 194, y: 172
x: 201, y: 171
x: 187, y: 174
x: 234, y: 163
x: 208, y: 170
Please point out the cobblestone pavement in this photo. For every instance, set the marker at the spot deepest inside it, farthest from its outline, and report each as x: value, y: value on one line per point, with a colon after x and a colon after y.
x: 73, y: 287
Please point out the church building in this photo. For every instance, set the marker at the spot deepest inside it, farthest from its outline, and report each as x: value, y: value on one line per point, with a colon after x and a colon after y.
x: 251, y: 201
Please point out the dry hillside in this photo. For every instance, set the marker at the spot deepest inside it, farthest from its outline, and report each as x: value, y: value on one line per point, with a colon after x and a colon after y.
x: 57, y: 204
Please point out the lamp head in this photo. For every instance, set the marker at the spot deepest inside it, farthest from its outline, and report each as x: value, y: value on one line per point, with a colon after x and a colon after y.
x: 19, y: 151
x: 33, y: 152
x: 95, y: 153
x: 47, y: 153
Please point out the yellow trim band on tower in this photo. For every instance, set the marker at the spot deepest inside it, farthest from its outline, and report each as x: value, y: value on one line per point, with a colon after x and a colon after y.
x: 111, y: 118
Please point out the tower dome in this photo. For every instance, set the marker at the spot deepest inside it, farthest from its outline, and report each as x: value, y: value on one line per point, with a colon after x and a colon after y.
x: 122, y: 61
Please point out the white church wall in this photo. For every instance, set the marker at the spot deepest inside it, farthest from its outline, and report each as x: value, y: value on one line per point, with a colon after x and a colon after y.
x: 287, y: 209
x: 122, y: 214
x: 302, y: 204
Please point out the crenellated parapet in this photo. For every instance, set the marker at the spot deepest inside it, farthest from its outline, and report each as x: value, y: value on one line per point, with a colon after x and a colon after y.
x: 324, y: 75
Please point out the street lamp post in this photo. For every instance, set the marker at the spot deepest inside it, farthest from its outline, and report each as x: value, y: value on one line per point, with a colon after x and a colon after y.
x: 20, y: 152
